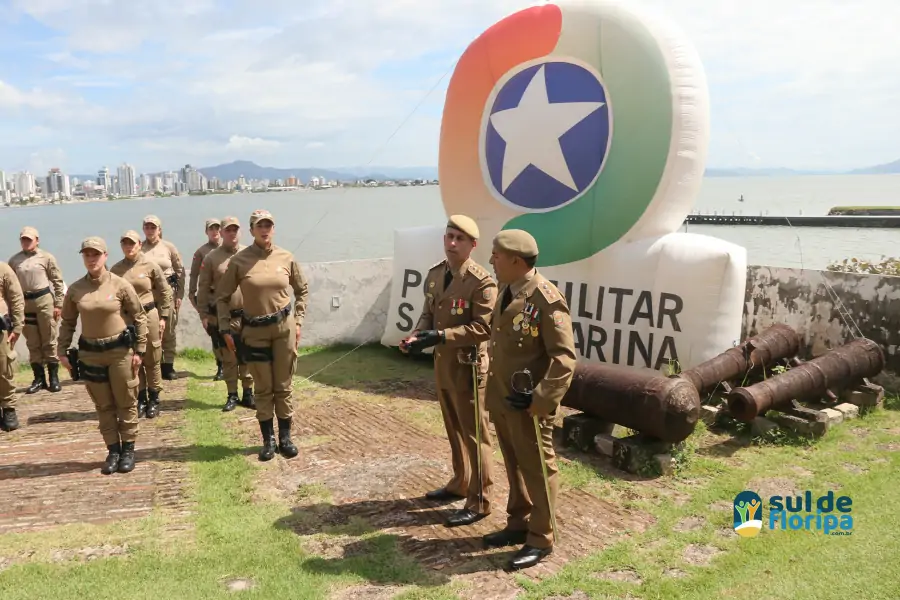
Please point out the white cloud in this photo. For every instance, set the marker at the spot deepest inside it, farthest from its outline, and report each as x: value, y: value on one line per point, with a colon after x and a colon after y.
x: 799, y: 83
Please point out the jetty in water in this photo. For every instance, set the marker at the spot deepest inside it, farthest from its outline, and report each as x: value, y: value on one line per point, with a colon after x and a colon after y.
x: 869, y: 221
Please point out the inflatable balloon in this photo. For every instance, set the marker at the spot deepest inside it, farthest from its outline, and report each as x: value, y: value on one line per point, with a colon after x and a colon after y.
x: 586, y: 123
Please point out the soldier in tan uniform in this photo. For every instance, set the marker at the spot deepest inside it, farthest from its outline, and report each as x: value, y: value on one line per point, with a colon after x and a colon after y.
x: 531, y: 329
x: 12, y: 319
x: 42, y: 283
x: 266, y: 274
x: 214, y: 240
x: 166, y: 255
x: 110, y: 351
x: 459, y: 299
x: 155, y: 295
x: 211, y: 270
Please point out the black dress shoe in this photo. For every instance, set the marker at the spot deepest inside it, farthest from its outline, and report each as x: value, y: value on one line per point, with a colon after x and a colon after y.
x: 443, y: 495
x: 527, y: 556
x: 505, y: 537
x: 464, y: 517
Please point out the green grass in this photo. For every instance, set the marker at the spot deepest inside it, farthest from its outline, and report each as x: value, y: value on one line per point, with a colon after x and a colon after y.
x: 239, y: 534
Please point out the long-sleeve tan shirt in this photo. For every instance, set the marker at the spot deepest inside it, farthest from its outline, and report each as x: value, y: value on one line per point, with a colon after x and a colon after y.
x: 199, y: 254
x: 12, y: 302
x: 212, y: 269
x: 165, y: 254
x: 38, y: 270
x: 148, y: 281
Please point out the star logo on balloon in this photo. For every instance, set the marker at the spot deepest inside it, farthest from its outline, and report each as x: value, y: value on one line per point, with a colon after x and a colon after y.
x: 546, y: 134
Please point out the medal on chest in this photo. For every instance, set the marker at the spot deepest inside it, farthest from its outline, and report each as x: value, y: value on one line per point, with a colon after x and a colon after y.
x: 458, y: 306
x: 527, y: 320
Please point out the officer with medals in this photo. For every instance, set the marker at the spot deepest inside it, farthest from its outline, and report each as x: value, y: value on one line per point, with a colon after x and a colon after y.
x: 532, y: 361
x: 213, y: 241
x: 456, y: 320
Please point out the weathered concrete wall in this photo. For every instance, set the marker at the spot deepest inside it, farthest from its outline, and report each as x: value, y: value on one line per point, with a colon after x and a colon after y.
x: 827, y: 309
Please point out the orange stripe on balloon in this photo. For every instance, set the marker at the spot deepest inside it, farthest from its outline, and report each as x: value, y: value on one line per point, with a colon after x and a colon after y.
x: 523, y: 36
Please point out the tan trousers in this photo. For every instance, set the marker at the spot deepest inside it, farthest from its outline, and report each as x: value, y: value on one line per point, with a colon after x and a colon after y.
x: 232, y: 367
x: 150, y: 373
x: 40, y: 330
x: 115, y: 399
x: 527, y: 504
x: 7, y: 388
x: 272, y: 365
x: 458, y: 409
x: 168, y: 341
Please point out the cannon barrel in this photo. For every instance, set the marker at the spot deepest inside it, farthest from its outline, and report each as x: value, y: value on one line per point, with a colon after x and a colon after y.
x: 776, y: 342
x: 835, y: 369
x: 641, y: 399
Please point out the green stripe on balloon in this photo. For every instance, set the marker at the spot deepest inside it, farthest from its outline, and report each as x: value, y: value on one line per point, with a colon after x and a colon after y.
x: 637, y: 81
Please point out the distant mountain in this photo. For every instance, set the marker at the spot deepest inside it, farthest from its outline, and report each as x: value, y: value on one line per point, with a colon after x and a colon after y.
x: 251, y: 170
x: 887, y: 169
x: 777, y: 172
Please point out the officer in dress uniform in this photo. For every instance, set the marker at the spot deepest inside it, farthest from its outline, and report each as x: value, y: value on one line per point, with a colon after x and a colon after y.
x: 266, y: 274
x: 166, y: 255
x: 214, y: 240
x: 12, y: 319
x: 531, y: 329
x: 211, y: 270
x: 43, y: 286
x: 155, y: 295
x: 459, y: 300
x: 109, y: 350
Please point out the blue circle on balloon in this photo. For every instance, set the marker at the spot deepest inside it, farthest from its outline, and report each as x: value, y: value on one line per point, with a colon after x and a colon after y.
x: 577, y: 161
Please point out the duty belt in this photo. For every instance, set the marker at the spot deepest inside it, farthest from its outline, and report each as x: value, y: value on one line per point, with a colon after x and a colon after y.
x: 235, y: 312
x: 276, y: 317
x: 37, y: 294
x: 123, y: 339
x: 149, y: 306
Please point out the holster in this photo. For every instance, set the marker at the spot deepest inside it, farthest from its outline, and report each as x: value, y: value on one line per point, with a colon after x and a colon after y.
x: 173, y: 281
x: 5, y: 323
x: 239, y: 348
x: 215, y: 336
x: 252, y: 354
x: 72, y: 356
x: 94, y: 374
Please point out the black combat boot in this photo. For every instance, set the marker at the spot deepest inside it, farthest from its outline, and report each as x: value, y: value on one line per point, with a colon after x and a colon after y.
x: 285, y: 445
x: 53, y: 372
x: 112, y: 459
x: 267, y: 428
x: 231, y: 403
x: 219, y: 374
x: 40, y: 379
x: 168, y: 371
x: 10, y: 421
x: 152, y: 404
x: 142, y: 404
x: 248, y: 400
x: 126, y: 460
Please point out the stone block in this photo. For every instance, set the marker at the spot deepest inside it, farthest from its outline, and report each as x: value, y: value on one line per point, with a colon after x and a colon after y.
x: 850, y: 411
x: 709, y: 415
x: 635, y: 453
x: 580, y: 430
x: 761, y: 426
x: 605, y: 444
x: 867, y: 395
x: 801, y: 426
x: 832, y: 416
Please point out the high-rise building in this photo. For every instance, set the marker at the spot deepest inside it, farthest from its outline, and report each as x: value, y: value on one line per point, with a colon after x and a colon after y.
x: 127, y: 181
x: 145, y: 183
x: 103, y: 179
x: 25, y: 184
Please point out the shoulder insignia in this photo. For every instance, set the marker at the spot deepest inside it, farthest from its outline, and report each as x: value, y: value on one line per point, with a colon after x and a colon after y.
x: 558, y: 318
x: 550, y: 293
x: 436, y: 265
x: 487, y: 293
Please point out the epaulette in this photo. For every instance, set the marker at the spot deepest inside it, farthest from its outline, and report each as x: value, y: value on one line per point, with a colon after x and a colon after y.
x: 437, y: 264
x: 479, y: 272
x: 549, y: 292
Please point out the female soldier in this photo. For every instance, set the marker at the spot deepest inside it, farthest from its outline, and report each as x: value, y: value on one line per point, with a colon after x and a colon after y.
x: 165, y: 254
x: 156, y: 296
x: 265, y: 275
x: 110, y: 351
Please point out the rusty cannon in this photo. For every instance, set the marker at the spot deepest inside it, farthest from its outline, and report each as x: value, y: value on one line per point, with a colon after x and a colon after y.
x: 777, y: 342
x: 640, y: 399
x: 835, y: 370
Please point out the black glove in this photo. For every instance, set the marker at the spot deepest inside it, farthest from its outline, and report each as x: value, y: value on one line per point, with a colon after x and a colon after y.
x: 518, y: 400
x: 426, y: 339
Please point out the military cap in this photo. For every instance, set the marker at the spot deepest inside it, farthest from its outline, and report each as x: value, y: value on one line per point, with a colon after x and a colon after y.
x: 93, y: 242
x: 211, y: 222
x: 259, y: 215
x: 229, y: 221
x: 132, y: 235
x: 153, y: 219
x: 464, y: 224
x: 516, y: 241
x: 29, y: 232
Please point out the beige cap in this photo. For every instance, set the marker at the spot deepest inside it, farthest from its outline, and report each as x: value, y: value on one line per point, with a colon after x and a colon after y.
x: 94, y: 243
x: 153, y: 219
x: 465, y: 224
x: 132, y: 235
x: 229, y: 221
x: 259, y: 215
x: 516, y: 241
x: 211, y: 222
x: 29, y: 232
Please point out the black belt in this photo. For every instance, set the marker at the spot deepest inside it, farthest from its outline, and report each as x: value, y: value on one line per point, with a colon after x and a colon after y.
x: 123, y: 339
x: 37, y: 294
x: 272, y: 319
x: 235, y: 313
x: 149, y: 306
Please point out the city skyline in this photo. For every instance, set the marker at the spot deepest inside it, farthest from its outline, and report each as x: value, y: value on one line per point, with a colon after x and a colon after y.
x: 320, y: 84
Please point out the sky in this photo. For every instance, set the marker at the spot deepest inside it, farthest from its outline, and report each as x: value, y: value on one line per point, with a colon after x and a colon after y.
x: 337, y: 83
